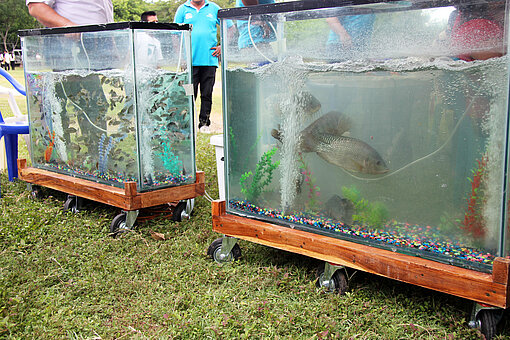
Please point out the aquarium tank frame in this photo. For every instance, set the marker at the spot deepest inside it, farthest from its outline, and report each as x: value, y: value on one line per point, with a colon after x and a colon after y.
x: 294, y: 11
x: 479, y: 282
x: 171, y: 198
x: 132, y: 26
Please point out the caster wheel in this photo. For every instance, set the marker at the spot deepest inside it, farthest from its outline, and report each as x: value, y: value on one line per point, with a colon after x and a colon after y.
x: 337, y: 284
x: 35, y: 194
x: 177, y: 214
x: 35, y: 191
x: 118, y: 225
x: 488, y: 319
x: 214, y: 252
x: 70, y: 204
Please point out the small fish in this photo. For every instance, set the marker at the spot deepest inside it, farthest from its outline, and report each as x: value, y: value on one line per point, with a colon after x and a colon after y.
x: 75, y: 147
x: 171, y: 125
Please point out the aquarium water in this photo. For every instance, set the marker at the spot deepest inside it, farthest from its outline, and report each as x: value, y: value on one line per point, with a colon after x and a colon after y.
x: 91, y: 125
x: 405, y: 154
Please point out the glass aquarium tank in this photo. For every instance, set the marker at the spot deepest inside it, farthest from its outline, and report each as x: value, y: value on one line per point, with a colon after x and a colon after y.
x: 382, y: 124
x: 112, y: 103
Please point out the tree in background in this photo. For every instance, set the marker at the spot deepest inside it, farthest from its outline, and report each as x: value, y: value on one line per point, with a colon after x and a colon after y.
x: 129, y: 10
x: 13, y: 17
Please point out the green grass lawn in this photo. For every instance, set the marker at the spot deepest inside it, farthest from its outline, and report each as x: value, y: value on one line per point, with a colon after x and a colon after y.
x: 62, y: 276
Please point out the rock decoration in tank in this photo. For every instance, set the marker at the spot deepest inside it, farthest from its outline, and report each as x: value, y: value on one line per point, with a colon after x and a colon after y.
x: 253, y: 184
x: 339, y: 209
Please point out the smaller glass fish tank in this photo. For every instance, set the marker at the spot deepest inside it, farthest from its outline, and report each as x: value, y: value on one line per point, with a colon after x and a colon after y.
x: 112, y: 103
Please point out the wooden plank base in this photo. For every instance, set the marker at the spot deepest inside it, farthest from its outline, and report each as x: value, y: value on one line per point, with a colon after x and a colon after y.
x: 126, y: 198
x: 491, y: 289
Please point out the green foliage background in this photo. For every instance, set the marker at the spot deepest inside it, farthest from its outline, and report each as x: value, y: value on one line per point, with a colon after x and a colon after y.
x: 14, y: 15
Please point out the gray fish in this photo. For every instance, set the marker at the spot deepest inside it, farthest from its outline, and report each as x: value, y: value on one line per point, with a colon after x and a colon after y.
x: 350, y: 154
x: 325, y: 137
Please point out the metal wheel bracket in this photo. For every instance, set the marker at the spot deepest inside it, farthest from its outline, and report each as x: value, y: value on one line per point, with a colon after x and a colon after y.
x: 131, y: 218
x: 329, y: 271
x: 186, y: 213
x: 80, y: 203
x: 227, y: 244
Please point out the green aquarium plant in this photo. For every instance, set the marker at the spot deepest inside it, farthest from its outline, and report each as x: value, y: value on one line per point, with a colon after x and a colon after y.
x: 170, y: 160
x: 253, y: 184
x: 373, y: 214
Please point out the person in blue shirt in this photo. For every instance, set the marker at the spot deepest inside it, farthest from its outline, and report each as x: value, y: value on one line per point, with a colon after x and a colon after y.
x: 258, y: 32
x: 349, y: 35
x: 203, y: 15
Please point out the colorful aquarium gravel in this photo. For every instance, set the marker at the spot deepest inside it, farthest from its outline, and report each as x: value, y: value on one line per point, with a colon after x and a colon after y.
x: 166, y: 179
x: 161, y: 180
x: 404, y: 235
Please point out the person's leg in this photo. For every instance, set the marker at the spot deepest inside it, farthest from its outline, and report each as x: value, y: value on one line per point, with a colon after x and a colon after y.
x: 196, y: 80
x: 208, y: 77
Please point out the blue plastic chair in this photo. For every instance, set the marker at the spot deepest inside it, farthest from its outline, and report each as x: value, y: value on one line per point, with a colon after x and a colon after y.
x: 10, y: 131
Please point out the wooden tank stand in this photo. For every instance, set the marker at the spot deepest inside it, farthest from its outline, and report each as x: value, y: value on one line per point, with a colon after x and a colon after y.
x: 491, y: 289
x: 127, y: 199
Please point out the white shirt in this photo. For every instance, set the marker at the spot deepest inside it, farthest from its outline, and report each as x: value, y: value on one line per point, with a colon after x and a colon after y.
x: 82, y: 12
x: 8, y: 58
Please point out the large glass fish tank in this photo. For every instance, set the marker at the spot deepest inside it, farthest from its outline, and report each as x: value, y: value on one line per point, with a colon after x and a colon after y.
x: 112, y: 103
x: 380, y: 123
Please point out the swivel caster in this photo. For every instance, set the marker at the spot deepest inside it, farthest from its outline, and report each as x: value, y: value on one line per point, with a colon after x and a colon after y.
x: 486, y: 319
x: 123, y: 222
x: 332, y: 278
x: 35, y: 191
x: 223, y: 250
x: 73, y: 204
x: 183, y: 210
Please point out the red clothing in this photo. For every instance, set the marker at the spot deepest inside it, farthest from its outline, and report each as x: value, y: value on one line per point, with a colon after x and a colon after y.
x: 475, y: 35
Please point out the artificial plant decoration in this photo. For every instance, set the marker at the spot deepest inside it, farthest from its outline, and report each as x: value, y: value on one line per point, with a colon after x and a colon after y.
x: 262, y: 177
x: 313, y: 189
x: 473, y: 223
x: 104, y: 152
x: 373, y: 214
x: 170, y: 160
